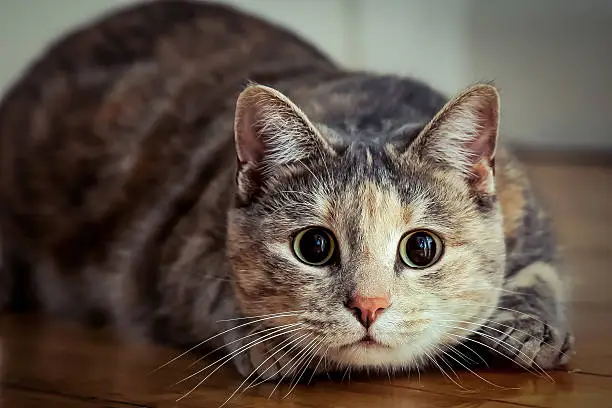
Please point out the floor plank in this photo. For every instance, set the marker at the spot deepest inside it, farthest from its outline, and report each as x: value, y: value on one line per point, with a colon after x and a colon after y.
x: 53, y: 364
x: 32, y: 398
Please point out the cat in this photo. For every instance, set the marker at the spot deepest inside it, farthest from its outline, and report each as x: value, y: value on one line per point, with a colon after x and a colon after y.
x: 184, y: 171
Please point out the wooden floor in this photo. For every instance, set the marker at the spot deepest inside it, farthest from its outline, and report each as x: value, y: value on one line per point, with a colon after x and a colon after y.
x: 45, y: 364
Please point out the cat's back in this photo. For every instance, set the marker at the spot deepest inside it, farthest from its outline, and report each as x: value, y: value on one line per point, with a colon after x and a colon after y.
x: 120, y: 113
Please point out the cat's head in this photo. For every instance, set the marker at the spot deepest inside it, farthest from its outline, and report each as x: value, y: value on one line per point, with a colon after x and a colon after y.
x: 374, y: 254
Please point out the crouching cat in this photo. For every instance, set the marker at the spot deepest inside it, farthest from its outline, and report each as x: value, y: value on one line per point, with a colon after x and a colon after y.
x: 189, y: 172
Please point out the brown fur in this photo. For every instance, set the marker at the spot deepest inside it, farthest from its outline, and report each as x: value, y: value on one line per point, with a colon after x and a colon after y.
x: 146, y: 176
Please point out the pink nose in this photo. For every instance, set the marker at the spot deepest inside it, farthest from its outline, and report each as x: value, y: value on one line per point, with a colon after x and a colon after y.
x: 367, y: 309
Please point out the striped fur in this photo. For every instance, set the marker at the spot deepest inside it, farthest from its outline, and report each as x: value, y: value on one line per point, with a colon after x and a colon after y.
x: 134, y: 188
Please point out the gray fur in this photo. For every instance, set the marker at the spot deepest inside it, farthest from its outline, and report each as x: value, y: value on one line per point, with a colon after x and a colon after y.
x: 125, y: 192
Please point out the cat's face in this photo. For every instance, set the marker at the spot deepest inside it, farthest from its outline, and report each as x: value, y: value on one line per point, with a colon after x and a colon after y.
x: 383, y: 257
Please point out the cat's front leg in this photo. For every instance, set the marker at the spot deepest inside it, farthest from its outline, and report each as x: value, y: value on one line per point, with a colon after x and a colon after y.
x: 529, y: 325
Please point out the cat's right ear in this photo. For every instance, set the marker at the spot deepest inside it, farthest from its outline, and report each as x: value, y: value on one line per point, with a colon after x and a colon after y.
x: 271, y: 134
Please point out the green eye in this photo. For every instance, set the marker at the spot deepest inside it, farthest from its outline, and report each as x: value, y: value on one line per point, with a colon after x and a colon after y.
x: 420, y: 249
x: 314, y: 246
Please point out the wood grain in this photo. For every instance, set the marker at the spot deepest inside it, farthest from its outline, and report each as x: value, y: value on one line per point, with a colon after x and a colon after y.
x: 45, y: 363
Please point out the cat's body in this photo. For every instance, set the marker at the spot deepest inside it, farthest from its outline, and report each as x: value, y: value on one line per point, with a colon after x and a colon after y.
x: 118, y: 172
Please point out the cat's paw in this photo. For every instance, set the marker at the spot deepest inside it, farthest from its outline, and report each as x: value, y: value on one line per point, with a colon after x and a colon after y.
x: 530, y: 342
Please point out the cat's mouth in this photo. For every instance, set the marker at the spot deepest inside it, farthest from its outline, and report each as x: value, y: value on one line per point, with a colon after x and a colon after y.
x: 368, y: 342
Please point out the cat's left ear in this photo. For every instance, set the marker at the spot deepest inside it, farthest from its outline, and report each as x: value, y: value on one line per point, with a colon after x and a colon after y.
x: 272, y: 137
x: 463, y: 136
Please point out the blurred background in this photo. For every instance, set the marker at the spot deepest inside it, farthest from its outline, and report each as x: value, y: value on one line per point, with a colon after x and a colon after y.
x: 551, y: 58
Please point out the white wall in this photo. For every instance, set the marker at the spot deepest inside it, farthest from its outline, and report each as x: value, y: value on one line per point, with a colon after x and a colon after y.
x: 553, y: 61
x: 26, y: 26
x: 552, y: 58
x: 427, y: 39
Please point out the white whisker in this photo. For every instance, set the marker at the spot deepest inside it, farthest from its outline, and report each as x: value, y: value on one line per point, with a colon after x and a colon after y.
x: 318, y: 364
x: 285, y: 365
x: 213, y: 337
x: 251, y: 385
x: 313, y: 354
x: 473, y: 372
x: 508, y: 310
x: 278, y: 349
x: 465, y: 338
x: 274, y: 329
x: 442, y: 370
x: 445, y: 362
x: 500, y: 331
x: 466, y: 358
x: 507, y: 347
x: 279, y: 314
x: 229, y: 357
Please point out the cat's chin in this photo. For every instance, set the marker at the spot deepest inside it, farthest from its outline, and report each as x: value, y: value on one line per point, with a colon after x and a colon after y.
x: 376, y: 355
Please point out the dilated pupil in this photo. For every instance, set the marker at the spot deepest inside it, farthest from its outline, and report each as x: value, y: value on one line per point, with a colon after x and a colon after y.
x: 421, y: 248
x: 314, y: 246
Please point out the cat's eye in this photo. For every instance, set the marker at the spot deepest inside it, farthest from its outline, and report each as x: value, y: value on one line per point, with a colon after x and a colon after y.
x: 314, y: 246
x: 420, y: 249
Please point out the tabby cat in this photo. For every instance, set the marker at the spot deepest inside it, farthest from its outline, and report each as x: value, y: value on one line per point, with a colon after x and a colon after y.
x: 184, y: 171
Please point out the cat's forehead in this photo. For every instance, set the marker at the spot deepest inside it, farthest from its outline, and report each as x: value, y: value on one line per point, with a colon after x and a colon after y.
x: 369, y: 185
x: 373, y: 202
x: 371, y: 173
x: 372, y: 207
